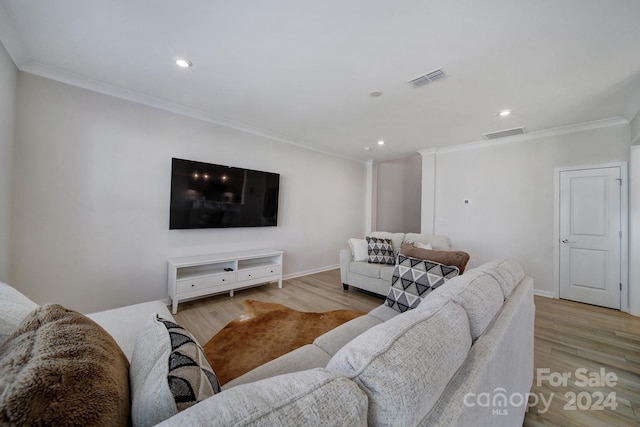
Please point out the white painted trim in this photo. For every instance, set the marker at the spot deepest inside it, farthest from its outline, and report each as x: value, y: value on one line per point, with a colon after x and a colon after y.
x: 624, y: 242
x: 556, y: 232
x: 624, y: 225
x: 428, y: 151
x: 580, y: 127
x: 312, y: 271
x: 541, y: 293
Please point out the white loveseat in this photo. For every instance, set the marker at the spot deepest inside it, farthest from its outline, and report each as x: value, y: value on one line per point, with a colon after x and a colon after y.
x: 376, y: 278
x: 426, y: 366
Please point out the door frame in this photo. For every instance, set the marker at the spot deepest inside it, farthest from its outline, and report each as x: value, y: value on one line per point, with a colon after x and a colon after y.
x: 624, y: 226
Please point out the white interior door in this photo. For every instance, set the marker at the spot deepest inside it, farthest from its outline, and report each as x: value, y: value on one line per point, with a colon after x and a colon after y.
x: 590, y: 236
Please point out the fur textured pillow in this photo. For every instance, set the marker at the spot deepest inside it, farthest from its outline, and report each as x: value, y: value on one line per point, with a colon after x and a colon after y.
x: 455, y: 258
x: 61, y: 368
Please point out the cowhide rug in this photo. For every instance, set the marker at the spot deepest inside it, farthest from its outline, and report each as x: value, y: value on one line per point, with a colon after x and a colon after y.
x: 264, y: 332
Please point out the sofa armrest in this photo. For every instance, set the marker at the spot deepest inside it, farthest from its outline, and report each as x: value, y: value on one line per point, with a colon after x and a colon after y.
x: 124, y: 323
x: 345, y: 258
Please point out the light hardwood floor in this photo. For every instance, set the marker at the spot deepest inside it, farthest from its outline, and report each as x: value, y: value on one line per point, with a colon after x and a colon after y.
x: 568, y: 336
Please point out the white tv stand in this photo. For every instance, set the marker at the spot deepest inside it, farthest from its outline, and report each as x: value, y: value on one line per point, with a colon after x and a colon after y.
x: 204, y: 275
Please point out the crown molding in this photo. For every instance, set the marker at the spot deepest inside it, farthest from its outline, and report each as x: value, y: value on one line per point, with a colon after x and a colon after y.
x: 77, y: 80
x: 580, y: 127
x: 428, y: 151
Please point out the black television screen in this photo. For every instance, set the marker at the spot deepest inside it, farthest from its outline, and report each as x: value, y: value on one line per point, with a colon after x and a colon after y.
x: 205, y: 195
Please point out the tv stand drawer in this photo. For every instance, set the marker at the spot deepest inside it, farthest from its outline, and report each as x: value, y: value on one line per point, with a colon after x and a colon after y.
x: 189, y: 285
x: 257, y: 273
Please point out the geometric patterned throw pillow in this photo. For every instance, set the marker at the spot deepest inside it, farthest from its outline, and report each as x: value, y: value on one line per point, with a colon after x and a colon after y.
x: 413, y: 279
x: 190, y: 377
x: 380, y: 251
x: 168, y: 373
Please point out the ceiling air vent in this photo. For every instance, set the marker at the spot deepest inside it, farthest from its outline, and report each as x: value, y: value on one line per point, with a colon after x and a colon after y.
x: 505, y: 133
x: 427, y: 78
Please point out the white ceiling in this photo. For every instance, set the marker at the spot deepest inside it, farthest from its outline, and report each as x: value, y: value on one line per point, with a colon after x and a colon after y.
x: 301, y: 71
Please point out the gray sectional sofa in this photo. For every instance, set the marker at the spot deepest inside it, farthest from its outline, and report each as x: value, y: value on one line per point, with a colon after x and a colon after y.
x: 427, y: 366
x: 377, y: 277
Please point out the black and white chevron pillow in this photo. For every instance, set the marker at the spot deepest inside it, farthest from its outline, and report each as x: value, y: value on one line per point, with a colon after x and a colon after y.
x: 190, y: 376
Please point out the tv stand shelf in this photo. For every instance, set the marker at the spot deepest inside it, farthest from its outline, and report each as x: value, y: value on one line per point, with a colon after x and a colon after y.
x: 204, y: 275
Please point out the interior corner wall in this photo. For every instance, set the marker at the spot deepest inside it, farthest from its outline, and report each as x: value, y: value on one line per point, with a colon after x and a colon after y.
x: 510, y: 188
x: 635, y: 129
x: 91, y: 207
x: 8, y: 82
x: 371, y: 197
x: 398, y: 195
x: 634, y: 218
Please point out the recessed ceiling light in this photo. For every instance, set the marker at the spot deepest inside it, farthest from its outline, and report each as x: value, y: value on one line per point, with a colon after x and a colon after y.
x: 183, y: 63
x: 381, y: 142
x: 367, y: 148
x: 505, y: 113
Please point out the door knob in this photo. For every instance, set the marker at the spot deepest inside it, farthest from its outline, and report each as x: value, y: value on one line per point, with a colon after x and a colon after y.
x: 567, y: 241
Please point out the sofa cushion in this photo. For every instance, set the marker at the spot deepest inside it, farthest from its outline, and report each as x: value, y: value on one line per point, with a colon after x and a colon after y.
x: 405, y: 363
x: 380, y: 251
x: 61, y: 368
x: 479, y: 294
x: 396, y: 239
x: 457, y: 258
x: 413, y: 279
x: 336, y: 338
x: 169, y: 372
x: 14, y: 307
x: 507, y: 272
x: 359, y: 249
x: 308, y: 356
x: 315, y: 397
x: 366, y: 269
x: 386, y: 273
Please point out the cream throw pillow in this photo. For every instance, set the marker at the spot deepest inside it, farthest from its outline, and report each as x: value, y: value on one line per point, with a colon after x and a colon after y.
x: 359, y: 249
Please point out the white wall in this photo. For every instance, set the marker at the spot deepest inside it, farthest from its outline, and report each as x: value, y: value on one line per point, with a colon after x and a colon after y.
x: 398, y: 199
x: 8, y: 81
x: 91, y: 207
x: 511, y: 190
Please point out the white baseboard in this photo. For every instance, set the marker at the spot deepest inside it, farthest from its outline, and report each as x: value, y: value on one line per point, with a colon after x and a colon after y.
x: 307, y: 272
x: 546, y: 294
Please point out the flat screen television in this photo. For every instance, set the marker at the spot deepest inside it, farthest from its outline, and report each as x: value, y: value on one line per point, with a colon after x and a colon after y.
x: 205, y: 195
